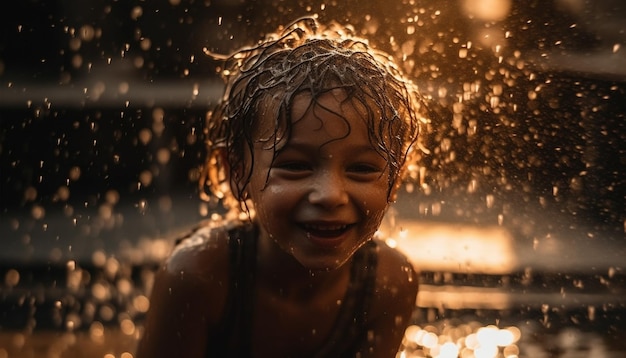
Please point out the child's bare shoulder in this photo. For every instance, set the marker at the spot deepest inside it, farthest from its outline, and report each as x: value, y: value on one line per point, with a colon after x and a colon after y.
x: 395, y: 294
x: 203, y: 251
x: 396, y: 274
x: 191, y: 288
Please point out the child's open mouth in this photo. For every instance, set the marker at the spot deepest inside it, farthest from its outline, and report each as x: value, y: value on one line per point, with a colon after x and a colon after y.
x: 325, y: 231
x: 327, y: 236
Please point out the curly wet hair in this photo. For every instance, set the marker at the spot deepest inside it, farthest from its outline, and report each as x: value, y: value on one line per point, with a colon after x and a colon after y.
x: 305, y: 57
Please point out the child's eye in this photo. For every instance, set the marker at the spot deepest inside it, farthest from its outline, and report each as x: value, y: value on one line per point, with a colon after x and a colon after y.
x: 293, y: 166
x: 364, y: 169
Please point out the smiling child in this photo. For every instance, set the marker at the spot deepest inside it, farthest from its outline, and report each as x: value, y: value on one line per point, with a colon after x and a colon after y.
x: 307, y: 148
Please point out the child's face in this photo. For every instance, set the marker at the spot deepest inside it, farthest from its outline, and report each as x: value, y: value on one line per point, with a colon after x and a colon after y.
x: 327, y: 190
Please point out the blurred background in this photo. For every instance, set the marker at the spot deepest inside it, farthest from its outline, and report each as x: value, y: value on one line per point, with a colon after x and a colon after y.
x: 516, y: 216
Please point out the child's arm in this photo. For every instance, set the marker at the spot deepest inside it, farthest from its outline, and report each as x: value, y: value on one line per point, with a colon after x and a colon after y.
x: 185, y: 303
x: 394, y: 304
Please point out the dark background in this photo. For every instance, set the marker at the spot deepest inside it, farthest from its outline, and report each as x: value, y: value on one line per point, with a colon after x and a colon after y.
x: 560, y: 153
x: 539, y: 146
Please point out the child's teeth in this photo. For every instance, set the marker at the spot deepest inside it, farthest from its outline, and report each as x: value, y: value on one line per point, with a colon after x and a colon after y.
x: 319, y: 227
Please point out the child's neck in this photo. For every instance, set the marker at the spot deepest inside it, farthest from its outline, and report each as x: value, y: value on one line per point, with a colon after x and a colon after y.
x: 282, y: 274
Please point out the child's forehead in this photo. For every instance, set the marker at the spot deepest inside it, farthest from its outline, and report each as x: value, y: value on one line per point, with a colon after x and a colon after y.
x: 332, y: 101
x: 338, y: 101
x: 336, y: 107
x: 331, y: 116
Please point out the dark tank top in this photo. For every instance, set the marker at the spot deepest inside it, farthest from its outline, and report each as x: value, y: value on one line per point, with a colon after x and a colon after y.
x: 349, y: 328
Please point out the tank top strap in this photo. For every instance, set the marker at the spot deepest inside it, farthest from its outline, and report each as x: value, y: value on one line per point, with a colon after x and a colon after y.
x: 348, y: 328
x: 351, y: 323
x: 239, y: 307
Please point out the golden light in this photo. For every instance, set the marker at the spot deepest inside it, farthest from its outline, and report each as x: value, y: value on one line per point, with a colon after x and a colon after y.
x: 456, y: 248
x: 445, y: 250
x: 449, y: 350
x: 463, y: 341
x: 487, y: 10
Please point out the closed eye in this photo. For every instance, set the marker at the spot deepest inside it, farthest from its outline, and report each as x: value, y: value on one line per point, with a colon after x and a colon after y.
x: 292, y: 166
x: 365, y: 169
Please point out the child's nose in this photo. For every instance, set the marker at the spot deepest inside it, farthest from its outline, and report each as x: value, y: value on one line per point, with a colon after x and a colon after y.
x: 328, y: 190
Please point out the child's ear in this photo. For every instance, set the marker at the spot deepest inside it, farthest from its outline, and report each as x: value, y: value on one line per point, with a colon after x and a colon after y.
x: 393, y: 194
x: 231, y: 174
x: 218, y: 170
x: 225, y: 179
x: 401, y: 175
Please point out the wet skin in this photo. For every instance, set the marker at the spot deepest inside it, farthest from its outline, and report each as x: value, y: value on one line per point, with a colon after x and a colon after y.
x: 320, y: 200
x: 327, y: 190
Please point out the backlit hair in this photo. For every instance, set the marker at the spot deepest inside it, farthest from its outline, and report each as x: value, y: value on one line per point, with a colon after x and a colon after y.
x: 305, y: 57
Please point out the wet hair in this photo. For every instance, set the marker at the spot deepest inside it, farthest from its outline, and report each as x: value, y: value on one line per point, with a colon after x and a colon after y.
x: 305, y: 57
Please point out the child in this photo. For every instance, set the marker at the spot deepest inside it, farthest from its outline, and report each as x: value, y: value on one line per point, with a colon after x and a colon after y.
x: 310, y: 142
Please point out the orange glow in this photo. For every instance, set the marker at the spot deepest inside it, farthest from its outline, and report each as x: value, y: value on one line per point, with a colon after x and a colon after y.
x: 456, y: 248
x: 478, y: 342
x: 487, y: 10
